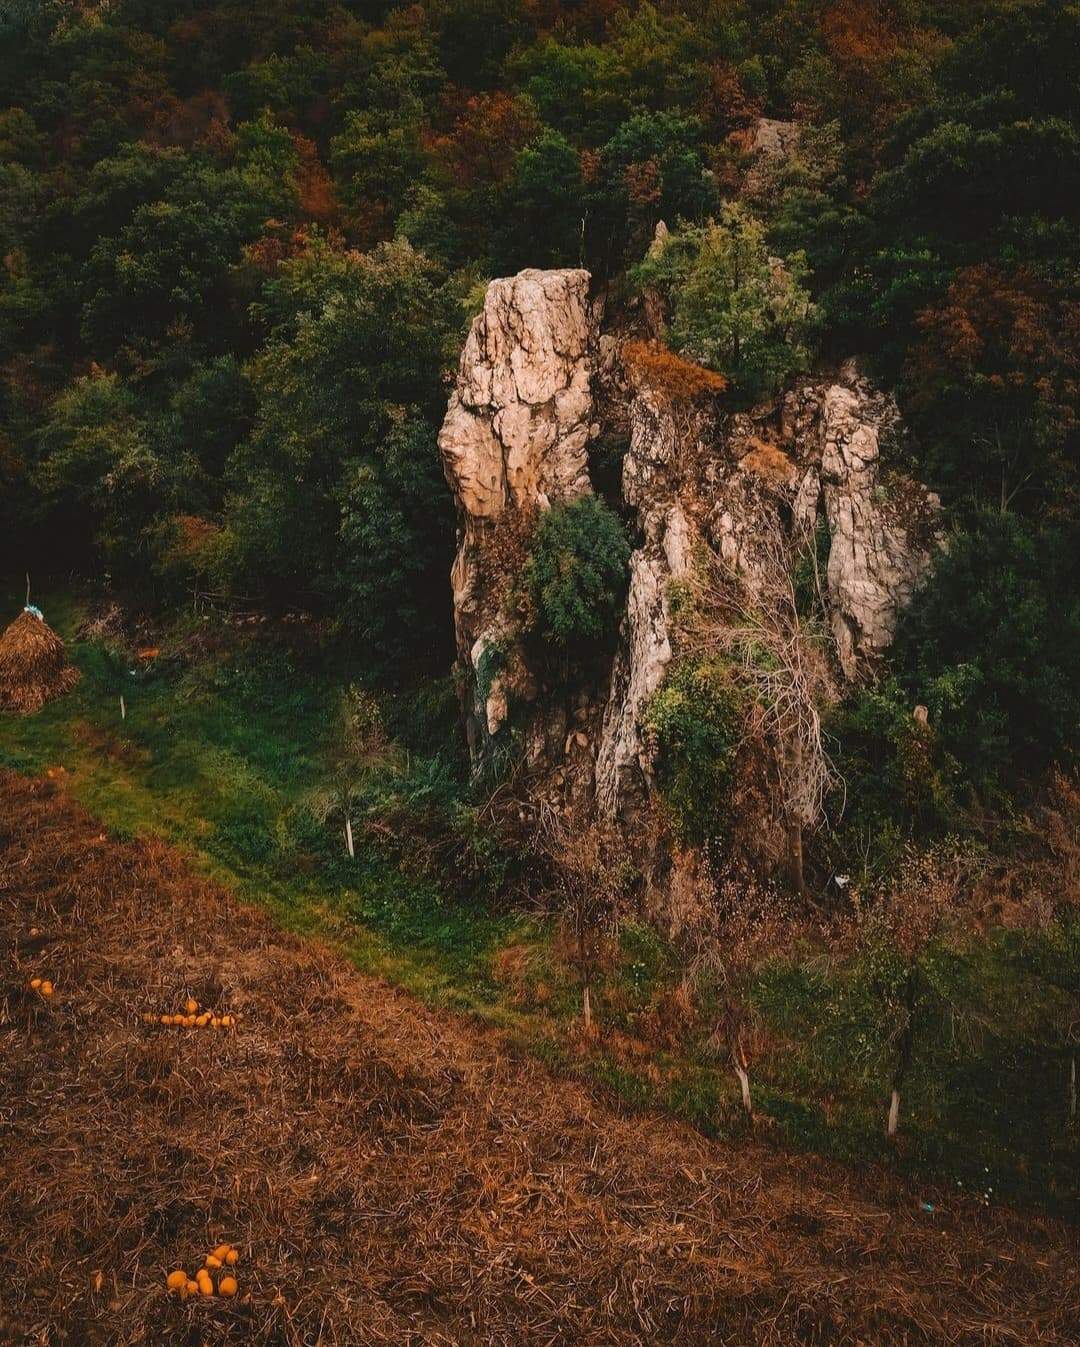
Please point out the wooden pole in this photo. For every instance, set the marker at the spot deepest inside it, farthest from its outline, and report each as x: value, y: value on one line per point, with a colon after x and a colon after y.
x: 894, y: 1113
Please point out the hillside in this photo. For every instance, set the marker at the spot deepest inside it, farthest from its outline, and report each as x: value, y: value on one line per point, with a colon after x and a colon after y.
x: 575, y: 503
x: 392, y: 1175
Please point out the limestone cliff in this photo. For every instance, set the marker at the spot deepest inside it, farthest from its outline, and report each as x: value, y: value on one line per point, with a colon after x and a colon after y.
x: 513, y: 442
x: 537, y: 381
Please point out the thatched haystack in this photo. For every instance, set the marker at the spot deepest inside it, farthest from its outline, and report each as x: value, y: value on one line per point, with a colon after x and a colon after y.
x: 33, y: 668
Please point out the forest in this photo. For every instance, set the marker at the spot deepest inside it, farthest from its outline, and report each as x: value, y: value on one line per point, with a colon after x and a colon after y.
x: 243, y: 246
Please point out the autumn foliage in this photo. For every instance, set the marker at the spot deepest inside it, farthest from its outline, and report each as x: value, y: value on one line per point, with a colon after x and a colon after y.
x: 668, y: 374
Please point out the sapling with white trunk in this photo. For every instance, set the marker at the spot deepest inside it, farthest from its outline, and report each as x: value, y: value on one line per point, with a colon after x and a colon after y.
x: 907, y: 1016
x: 586, y: 860
x: 361, y: 746
x: 116, y: 667
x: 903, y: 936
x: 730, y: 923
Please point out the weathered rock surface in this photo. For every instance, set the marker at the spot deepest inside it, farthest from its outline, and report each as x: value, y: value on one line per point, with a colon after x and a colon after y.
x: 769, y: 142
x: 514, y: 441
x: 650, y: 483
x: 880, y: 547
x: 883, y: 530
x: 518, y: 421
x: 535, y: 378
x: 773, y: 138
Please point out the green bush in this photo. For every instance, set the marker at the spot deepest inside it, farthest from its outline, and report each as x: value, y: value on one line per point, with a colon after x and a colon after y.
x: 898, y: 780
x: 991, y: 644
x: 694, y: 722
x: 574, y: 578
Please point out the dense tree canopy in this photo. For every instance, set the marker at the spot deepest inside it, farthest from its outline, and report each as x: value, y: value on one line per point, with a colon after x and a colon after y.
x: 235, y: 240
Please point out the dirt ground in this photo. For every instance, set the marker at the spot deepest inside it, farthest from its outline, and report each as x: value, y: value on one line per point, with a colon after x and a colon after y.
x: 393, y: 1175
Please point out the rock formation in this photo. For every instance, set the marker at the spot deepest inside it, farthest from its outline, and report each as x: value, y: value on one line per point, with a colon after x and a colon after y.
x: 535, y: 382
x: 513, y: 442
x: 881, y: 540
x: 650, y: 483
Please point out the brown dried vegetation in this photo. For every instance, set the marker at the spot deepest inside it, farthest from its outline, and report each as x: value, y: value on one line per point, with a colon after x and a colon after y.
x: 394, y: 1175
x: 669, y: 374
x: 33, y: 666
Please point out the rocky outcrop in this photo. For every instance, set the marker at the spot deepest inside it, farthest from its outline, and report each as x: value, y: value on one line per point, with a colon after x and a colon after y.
x: 732, y: 484
x: 768, y: 142
x: 773, y: 139
x: 514, y: 442
x: 535, y: 381
x: 650, y: 483
x: 881, y: 541
x: 883, y: 527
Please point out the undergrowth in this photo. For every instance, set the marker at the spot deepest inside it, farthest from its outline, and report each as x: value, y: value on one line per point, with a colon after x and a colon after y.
x: 220, y: 753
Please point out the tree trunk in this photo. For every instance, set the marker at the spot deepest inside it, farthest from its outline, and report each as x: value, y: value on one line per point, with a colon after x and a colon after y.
x: 1072, y: 1089
x: 793, y: 753
x: 907, y: 1047
x: 796, y: 874
x: 349, y: 837
x: 123, y: 708
x: 586, y: 1007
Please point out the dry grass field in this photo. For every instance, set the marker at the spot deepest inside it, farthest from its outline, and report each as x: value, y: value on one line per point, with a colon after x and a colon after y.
x: 395, y: 1175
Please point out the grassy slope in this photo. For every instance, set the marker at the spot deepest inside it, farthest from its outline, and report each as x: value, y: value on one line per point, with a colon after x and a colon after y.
x: 220, y: 756
x: 392, y: 1174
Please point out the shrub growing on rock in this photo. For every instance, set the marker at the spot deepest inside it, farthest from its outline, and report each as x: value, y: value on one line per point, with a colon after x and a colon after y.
x: 574, y: 578
x: 694, y: 722
x: 734, y: 308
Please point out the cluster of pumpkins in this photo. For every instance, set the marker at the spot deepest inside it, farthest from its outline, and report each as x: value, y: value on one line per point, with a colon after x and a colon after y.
x: 193, y: 1016
x: 224, y: 1257
x: 42, y: 986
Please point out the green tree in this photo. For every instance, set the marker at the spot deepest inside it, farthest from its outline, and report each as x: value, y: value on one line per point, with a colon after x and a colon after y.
x: 652, y: 168
x: 734, y: 308
x: 991, y: 645
x: 159, y: 281
x: 541, y: 212
x: 377, y: 158
x: 338, y: 497
x: 98, y: 471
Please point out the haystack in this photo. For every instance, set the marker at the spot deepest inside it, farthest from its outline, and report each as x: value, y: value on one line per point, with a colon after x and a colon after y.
x: 33, y: 669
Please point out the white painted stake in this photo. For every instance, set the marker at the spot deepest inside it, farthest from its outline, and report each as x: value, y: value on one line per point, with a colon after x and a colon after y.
x: 894, y: 1114
x: 123, y: 708
x: 349, y: 837
x: 744, y: 1085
